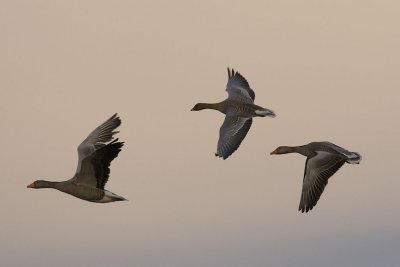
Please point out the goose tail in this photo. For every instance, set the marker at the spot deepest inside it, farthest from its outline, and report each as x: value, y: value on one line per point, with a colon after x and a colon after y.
x: 110, y: 197
x: 265, y: 113
x: 354, y: 158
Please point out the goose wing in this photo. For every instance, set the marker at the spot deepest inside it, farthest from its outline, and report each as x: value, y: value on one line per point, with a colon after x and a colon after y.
x: 97, y: 139
x: 238, y: 88
x: 231, y: 134
x: 95, y: 168
x: 318, y: 170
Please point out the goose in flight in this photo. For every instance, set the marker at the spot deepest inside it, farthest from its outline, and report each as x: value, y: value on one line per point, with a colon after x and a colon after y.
x: 94, y: 157
x: 323, y: 160
x: 239, y: 109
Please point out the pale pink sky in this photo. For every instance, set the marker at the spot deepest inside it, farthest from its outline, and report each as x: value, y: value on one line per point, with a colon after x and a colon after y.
x: 329, y: 69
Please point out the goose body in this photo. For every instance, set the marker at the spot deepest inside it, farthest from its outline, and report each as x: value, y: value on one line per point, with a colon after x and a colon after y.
x: 323, y: 160
x: 92, y: 173
x: 239, y: 109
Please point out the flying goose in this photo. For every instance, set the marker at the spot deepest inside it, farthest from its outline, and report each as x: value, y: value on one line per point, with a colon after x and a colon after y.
x: 92, y: 173
x: 239, y: 109
x: 323, y: 160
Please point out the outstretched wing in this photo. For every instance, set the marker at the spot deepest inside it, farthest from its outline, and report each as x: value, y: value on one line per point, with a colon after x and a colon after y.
x: 97, y: 139
x: 231, y: 134
x: 317, y: 171
x: 238, y: 88
x: 95, y: 168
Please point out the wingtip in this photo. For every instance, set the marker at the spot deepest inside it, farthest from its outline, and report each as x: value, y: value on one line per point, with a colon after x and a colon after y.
x: 222, y: 156
x: 231, y: 72
x: 305, y: 209
x: 114, y: 119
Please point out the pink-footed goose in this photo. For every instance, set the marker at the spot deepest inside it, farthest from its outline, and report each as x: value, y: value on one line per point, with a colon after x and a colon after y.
x: 323, y: 160
x: 239, y: 109
x: 92, y: 173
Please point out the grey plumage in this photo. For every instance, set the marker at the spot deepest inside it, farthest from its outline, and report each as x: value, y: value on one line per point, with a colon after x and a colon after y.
x: 239, y: 109
x: 94, y: 159
x: 324, y: 159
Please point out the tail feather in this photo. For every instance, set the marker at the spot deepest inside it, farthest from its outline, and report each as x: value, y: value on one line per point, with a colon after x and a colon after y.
x: 111, y: 197
x: 265, y: 113
x: 354, y: 158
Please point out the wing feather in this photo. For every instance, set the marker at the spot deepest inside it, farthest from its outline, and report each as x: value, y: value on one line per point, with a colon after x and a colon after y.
x: 318, y: 170
x: 238, y: 87
x: 231, y: 134
x: 97, y: 138
x: 95, y: 169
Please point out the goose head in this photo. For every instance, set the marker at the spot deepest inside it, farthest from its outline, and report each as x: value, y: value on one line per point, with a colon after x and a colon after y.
x: 282, y: 150
x: 38, y: 184
x: 198, y: 106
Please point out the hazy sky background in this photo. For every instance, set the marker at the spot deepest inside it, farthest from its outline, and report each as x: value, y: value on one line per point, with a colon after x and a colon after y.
x: 329, y: 69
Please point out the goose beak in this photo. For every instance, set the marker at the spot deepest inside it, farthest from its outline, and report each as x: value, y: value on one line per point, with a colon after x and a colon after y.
x: 30, y: 186
x: 273, y: 152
